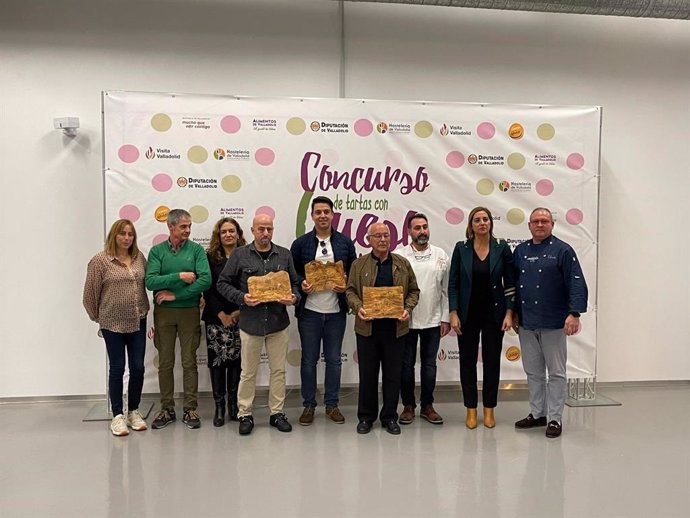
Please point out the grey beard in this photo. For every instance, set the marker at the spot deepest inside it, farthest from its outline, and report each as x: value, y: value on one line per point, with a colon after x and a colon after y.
x: 422, y: 240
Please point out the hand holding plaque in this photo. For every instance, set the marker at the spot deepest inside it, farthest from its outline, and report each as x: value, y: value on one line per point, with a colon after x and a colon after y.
x: 325, y: 276
x: 384, y: 302
x: 272, y: 287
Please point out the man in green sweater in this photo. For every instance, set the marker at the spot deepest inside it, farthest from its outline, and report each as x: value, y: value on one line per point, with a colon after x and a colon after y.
x: 177, y: 273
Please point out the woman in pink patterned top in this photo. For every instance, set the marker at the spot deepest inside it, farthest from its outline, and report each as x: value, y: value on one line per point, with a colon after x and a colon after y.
x: 115, y: 297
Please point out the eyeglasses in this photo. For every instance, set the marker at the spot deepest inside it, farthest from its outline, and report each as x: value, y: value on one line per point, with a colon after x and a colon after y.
x: 324, y: 250
x: 379, y: 236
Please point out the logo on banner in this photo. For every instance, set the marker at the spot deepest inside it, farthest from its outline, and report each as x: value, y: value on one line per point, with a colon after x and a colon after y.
x: 545, y: 159
x: 231, y: 154
x: 330, y: 127
x: 516, y: 131
x: 232, y: 212
x: 486, y: 159
x: 264, y: 124
x: 161, y: 213
x: 513, y: 353
x: 197, y: 183
x: 454, y: 130
x: 162, y: 153
x: 442, y: 355
x: 506, y: 185
x: 202, y: 123
x: 393, y: 127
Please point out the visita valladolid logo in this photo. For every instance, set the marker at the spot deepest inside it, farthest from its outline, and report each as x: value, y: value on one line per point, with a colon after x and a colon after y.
x: 161, y: 153
x: 454, y: 129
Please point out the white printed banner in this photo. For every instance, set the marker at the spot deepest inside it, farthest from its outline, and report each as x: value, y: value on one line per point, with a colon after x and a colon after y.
x: 220, y: 156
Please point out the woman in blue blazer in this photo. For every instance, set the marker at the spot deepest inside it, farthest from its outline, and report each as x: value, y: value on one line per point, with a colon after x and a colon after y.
x: 481, y: 294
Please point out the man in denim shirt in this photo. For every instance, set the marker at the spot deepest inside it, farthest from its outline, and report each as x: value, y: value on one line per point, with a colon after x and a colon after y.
x: 551, y: 294
x: 261, y: 323
x: 321, y: 315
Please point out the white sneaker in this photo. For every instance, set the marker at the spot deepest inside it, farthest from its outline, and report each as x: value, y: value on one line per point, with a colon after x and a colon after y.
x: 136, y: 421
x: 119, y: 426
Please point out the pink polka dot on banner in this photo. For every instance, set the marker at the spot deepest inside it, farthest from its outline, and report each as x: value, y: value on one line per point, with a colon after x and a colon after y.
x: 230, y: 124
x: 575, y: 161
x: 363, y: 127
x: 130, y: 212
x: 264, y: 156
x: 394, y: 158
x: 265, y: 209
x: 159, y: 239
x: 162, y: 182
x: 486, y: 130
x: 544, y: 187
x: 455, y: 159
x: 574, y: 216
x: 128, y: 153
x: 455, y: 216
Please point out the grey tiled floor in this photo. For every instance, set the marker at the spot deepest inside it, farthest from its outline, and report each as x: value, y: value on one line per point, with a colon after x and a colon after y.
x: 627, y: 461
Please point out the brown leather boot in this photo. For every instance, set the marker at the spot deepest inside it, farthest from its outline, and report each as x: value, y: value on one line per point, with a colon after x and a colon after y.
x: 471, y: 421
x: 489, y: 421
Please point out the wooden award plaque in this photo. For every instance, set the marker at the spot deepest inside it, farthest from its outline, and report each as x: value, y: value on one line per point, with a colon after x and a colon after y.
x: 383, y: 302
x: 325, y: 276
x: 271, y: 287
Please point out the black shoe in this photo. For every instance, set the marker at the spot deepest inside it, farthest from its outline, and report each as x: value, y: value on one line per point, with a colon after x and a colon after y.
x: 392, y: 427
x: 363, y: 427
x: 554, y: 429
x: 530, y: 422
x: 163, y: 419
x: 280, y: 422
x: 246, y: 424
x: 219, y: 415
x: 191, y: 419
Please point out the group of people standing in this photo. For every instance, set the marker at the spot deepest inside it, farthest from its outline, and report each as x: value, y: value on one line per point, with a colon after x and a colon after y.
x: 482, y: 291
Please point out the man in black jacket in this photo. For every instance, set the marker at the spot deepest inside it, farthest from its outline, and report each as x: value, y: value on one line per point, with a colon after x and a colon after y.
x: 261, y: 323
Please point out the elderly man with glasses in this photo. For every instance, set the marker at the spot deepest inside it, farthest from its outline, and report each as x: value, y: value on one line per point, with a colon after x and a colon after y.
x: 380, y: 342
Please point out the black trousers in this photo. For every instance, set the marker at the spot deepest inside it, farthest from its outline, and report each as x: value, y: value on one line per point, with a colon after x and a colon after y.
x: 225, y: 379
x: 380, y: 350
x: 468, y: 344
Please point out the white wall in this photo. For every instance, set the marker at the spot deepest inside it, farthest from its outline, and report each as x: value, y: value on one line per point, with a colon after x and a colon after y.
x: 56, y: 57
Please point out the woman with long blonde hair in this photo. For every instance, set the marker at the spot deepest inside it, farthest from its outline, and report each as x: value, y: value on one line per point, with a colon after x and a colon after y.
x: 115, y: 298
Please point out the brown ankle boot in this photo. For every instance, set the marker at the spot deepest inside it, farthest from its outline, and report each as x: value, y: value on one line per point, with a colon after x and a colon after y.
x: 489, y: 420
x: 471, y: 421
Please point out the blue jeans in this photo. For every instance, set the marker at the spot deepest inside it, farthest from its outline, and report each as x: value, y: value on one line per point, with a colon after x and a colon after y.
x: 313, y: 329
x: 134, y: 345
x: 429, y: 340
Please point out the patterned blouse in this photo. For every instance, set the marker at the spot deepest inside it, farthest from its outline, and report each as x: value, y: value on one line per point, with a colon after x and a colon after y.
x: 114, y: 294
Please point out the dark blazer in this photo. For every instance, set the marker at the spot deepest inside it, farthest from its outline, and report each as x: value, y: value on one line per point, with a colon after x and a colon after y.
x: 303, y: 250
x: 502, y: 278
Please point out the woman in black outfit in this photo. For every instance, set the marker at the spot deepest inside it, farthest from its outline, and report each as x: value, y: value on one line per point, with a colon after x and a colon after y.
x: 481, y: 295
x: 221, y: 318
